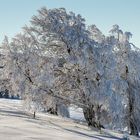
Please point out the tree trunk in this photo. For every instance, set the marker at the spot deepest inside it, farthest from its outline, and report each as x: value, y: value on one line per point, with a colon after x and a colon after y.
x: 89, y: 115
x: 133, y: 129
x: 131, y: 116
x: 132, y: 123
x: 52, y: 110
x: 34, y: 115
x: 118, y: 36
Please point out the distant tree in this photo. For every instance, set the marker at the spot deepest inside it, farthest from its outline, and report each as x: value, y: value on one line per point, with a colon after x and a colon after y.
x: 5, y: 71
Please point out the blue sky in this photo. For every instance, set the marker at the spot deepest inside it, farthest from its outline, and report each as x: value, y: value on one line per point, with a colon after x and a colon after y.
x: 14, y: 14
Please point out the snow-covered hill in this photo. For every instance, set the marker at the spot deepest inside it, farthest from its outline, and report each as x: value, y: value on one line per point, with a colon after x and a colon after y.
x: 15, y: 124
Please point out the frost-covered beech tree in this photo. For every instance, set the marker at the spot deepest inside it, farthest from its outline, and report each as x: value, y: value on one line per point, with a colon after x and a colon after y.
x: 50, y: 47
x: 128, y: 66
x: 58, y: 61
x: 36, y: 71
x: 63, y: 36
x: 64, y: 49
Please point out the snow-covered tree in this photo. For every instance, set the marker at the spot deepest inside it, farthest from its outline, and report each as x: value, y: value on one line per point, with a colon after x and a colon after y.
x: 5, y: 68
x: 129, y: 66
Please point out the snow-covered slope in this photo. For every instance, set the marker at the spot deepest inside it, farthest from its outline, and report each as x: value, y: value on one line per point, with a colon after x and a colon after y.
x: 15, y: 124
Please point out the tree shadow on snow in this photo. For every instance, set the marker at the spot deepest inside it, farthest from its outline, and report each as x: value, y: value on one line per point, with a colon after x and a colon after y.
x: 14, y: 114
x: 97, y: 137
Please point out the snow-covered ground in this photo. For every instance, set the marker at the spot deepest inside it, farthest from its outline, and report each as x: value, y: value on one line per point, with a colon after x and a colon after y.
x: 15, y: 124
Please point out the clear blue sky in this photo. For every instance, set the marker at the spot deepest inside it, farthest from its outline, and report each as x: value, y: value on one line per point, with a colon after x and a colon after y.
x: 14, y: 14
